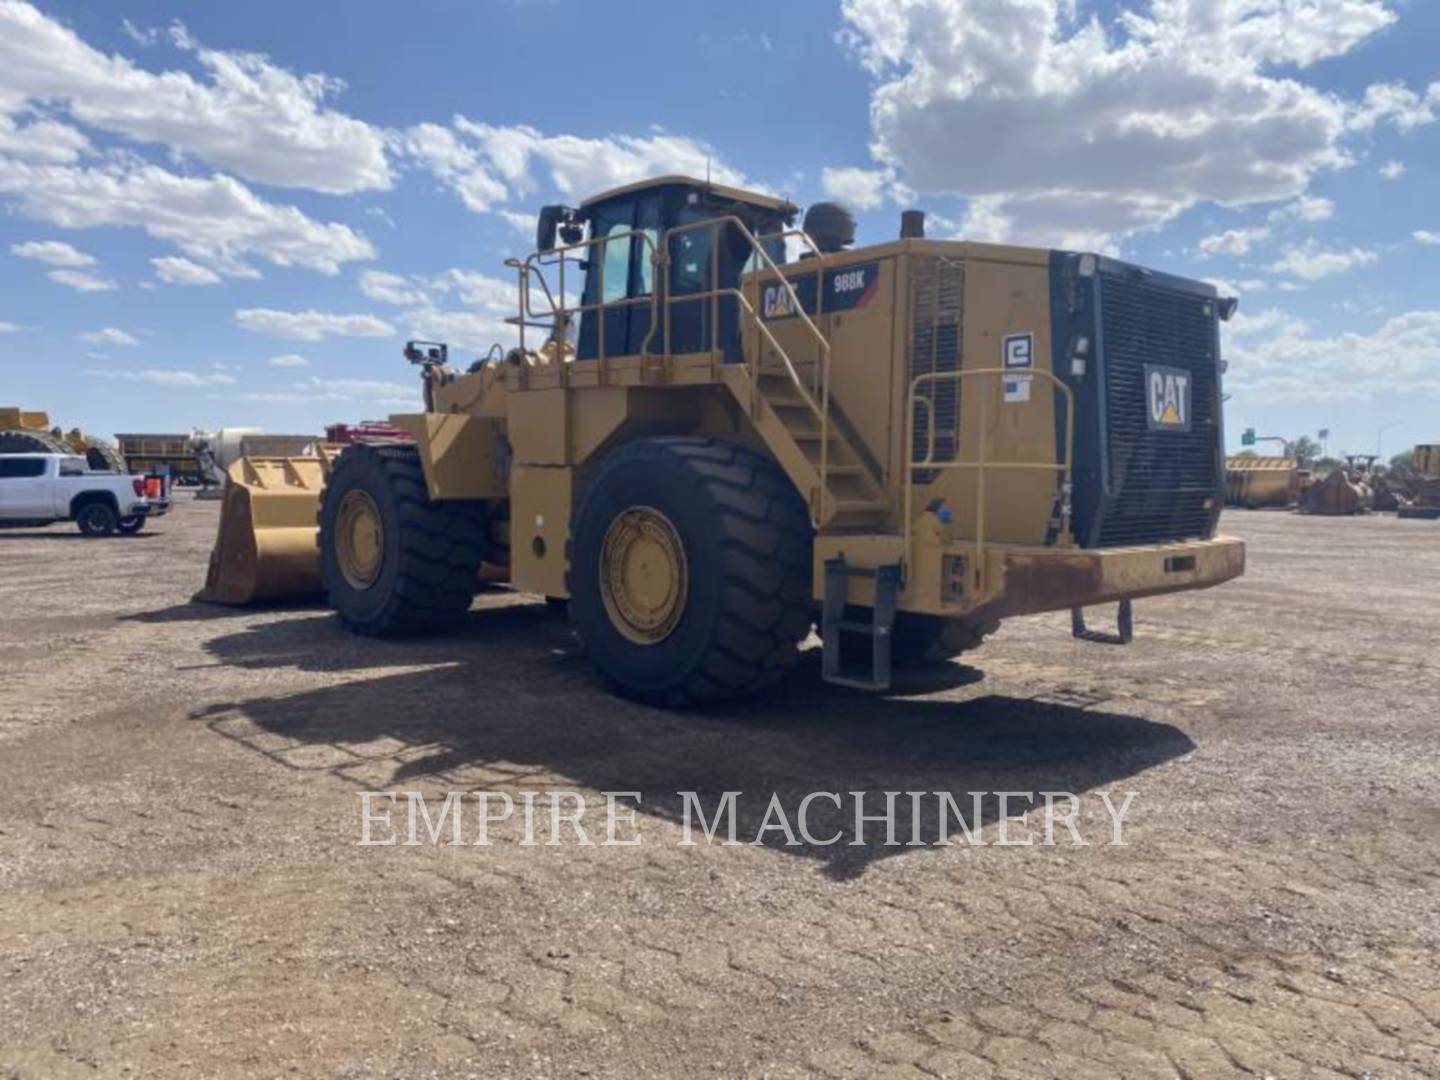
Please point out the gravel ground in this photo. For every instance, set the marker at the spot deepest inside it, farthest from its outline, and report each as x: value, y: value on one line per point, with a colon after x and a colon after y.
x: 184, y: 892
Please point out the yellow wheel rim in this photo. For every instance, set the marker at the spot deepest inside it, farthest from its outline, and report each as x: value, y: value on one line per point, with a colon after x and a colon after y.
x: 644, y: 579
x: 359, y: 539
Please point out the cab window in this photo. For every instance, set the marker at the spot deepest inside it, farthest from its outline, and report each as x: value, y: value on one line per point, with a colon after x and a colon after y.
x: 617, y: 264
x: 21, y: 468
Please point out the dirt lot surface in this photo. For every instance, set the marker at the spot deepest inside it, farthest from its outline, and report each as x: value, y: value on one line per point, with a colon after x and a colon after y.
x: 184, y: 893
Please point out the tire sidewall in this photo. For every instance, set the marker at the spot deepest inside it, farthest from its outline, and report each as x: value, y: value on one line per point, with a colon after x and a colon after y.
x: 363, y: 471
x: 661, y: 482
x: 96, y: 519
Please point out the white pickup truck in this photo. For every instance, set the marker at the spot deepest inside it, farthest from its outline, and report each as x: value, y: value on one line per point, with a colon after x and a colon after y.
x: 38, y: 489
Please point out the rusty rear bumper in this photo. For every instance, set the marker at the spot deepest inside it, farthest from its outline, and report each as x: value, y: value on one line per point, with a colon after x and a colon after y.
x: 1032, y: 580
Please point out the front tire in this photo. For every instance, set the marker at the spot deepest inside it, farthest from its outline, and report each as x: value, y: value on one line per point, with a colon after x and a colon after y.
x: 96, y: 519
x: 393, y: 561
x: 690, y: 571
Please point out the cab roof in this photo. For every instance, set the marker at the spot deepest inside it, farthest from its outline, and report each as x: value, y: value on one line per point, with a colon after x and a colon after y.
x: 754, y: 198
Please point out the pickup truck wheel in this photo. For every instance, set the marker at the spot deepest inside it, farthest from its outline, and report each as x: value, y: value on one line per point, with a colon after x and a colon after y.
x: 96, y: 519
x: 130, y: 526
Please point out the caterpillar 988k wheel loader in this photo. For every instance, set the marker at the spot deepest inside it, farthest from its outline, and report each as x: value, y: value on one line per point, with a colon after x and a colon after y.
x: 713, y: 449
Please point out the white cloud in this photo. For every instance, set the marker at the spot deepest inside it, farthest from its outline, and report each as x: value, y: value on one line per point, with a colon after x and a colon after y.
x: 246, y: 115
x: 373, y: 391
x: 38, y: 140
x: 214, y: 220
x: 1397, y: 104
x: 145, y: 37
x: 1312, y: 262
x: 288, y: 360
x: 1310, y: 208
x: 1425, y: 236
x: 522, y: 223
x: 81, y: 281
x: 8, y: 327
x: 1268, y: 321
x: 862, y: 189
x: 486, y: 164
x: 454, y: 164
x: 54, y: 252
x: 391, y: 288
x: 109, y: 336
x: 1284, y: 363
x: 174, y: 270
x: 471, y: 331
x: 1392, y: 170
x: 1064, y: 131
x: 311, y: 325
x: 1233, y: 241
x: 163, y: 376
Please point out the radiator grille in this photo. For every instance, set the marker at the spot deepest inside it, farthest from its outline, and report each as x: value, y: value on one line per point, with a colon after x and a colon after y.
x: 938, y: 321
x: 1164, y: 485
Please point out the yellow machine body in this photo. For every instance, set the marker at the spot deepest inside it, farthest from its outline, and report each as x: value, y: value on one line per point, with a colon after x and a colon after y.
x: 975, y: 431
x: 23, y: 420
x: 843, y: 401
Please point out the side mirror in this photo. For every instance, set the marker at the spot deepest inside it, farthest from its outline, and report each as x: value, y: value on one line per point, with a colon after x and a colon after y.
x: 553, y: 220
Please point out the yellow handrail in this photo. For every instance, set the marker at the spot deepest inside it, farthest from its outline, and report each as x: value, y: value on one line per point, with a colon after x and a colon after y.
x: 660, y: 261
x: 1064, y: 467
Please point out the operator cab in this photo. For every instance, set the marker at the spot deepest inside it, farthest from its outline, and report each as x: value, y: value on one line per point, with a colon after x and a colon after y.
x: 619, y: 274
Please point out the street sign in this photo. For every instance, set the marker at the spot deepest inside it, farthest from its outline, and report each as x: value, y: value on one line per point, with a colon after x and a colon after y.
x: 1248, y: 439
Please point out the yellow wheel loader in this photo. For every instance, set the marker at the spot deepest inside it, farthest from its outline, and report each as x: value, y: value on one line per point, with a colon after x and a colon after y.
x: 23, y: 432
x: 707, y: 448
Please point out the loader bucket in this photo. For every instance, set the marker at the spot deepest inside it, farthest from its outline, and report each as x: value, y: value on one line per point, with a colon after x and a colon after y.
x: 266, y: 547
x: 1257, y: 482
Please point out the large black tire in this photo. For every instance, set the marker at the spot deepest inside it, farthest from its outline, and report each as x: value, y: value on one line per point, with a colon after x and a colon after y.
x: 430, y: 566
x: 24, y: 441
x: 96, y: 517
x: 103, y: 457
x: 919, y: 641
x: 746, y: 541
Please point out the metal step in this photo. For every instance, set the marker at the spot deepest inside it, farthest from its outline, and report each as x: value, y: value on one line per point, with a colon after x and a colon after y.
x: 834, y: 625
x: 860, y: 506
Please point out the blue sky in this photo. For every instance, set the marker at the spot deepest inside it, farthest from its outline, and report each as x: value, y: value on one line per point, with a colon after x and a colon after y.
x: 235, y: 214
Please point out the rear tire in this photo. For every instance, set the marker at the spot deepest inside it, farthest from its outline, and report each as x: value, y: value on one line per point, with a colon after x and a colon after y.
x: 426, y: 570
x: 96, y: 518
x: 725, y: 616
x: 920, y: 641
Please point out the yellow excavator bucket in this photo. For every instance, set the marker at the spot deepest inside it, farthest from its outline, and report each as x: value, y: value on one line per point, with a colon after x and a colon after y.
x: 266, y: 545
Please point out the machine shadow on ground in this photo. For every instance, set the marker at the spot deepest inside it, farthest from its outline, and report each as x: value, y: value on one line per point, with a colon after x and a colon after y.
x: 510, y: 703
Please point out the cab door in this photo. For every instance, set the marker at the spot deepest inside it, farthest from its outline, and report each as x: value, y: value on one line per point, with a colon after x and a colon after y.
x: 24, y: 488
